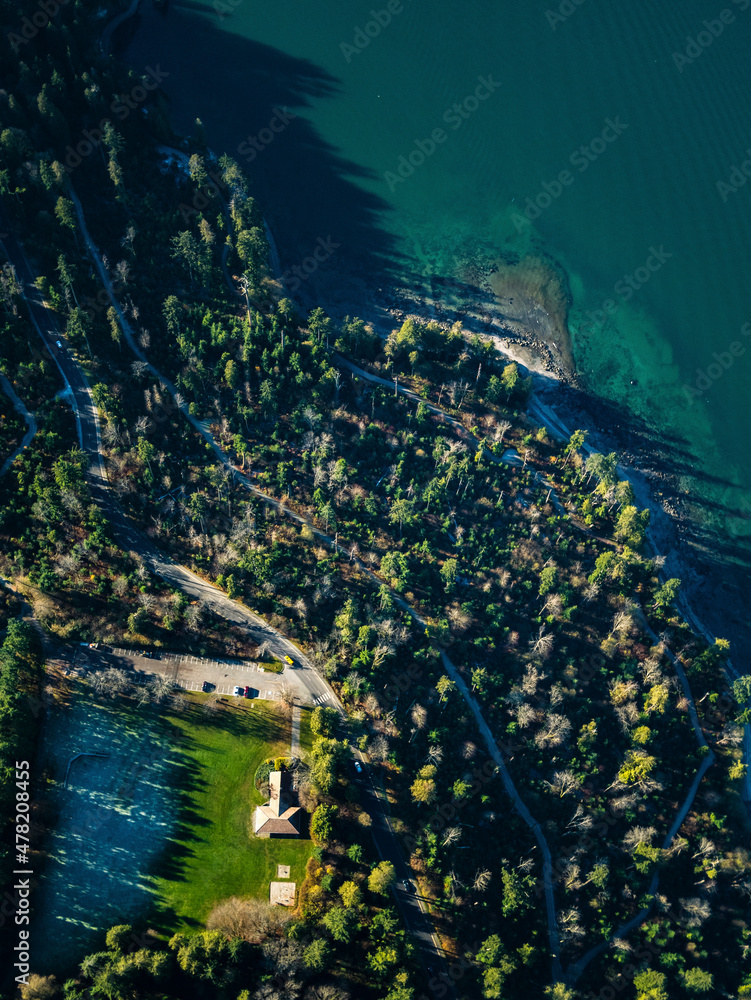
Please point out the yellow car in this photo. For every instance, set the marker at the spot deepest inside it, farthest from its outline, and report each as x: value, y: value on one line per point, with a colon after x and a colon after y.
x: 288, y: 659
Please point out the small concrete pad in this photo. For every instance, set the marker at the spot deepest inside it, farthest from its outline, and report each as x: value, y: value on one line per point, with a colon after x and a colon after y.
x: 282, y: 871
x: 282, y: 894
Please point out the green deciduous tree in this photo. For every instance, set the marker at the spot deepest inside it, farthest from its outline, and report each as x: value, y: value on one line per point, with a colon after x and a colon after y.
x: 400, y: 988
x: 650, y: 985
x: 205, y: 955
x: 602, y: 467
x: 40, y: 988
x: 444, y: 686
x: 341, y: 923
x: 324, y: 721
x: 232, y: 374
x: 630, y: 526
x: 66, y: 214
x: 351, y: 895
x: 187, y: 251
x: 667, y: 594
x: 547, y: 580
x: 317, y: 955
x: 322, y: 823
x: 448, y: 574
x: 575, y: 443
x: 697, y: 981
x: 383, y: 959
x: 637, y: 767
x: 395, y: 568
x: 402, y: 512
x: 423, y: 790
x: 381, y: 878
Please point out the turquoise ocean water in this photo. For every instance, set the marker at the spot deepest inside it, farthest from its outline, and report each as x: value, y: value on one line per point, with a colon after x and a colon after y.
x: 620, y: 122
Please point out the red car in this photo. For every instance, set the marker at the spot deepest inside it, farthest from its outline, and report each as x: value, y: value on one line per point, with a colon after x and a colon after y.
x: 251, y: 692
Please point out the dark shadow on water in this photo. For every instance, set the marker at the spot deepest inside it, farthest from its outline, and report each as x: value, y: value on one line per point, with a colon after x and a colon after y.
x: 240, y: 88
x: 311, y: 195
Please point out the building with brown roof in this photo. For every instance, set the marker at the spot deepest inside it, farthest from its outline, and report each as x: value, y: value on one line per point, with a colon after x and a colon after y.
x: 280, y: 817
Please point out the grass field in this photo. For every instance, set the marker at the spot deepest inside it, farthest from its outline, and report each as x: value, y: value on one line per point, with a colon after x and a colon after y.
x: 271, y: 666
x: 214, y: 854
x: 160, y: 828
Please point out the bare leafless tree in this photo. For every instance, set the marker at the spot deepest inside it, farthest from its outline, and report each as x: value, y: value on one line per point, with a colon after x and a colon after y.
x: 564, y: 783
x: 698, y: 910
x: 250, y: 920
x: 639, y: 835
x: 482, y: 879
x: 591, y: 593
x: 147, y: 601
x: 378, y: 748
x: 328, y: 991
x: 571, y: 925
x: 111, y: 682
x: 581, y: 820
x: 502, y: 427
x: 525, y: 715
x: 555, y: 732
x: 452, y: 835
x: 553, y: 605
x: 286, y: 695
x: 542, y: 644
x: 530, y: 680
x: 419, y: 716
x: 623, y: 622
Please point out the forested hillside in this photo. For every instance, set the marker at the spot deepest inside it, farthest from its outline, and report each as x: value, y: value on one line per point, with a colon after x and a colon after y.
x: 561, y: 758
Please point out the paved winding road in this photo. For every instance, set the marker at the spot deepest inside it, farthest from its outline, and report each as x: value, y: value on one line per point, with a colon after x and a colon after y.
x: 31, y: 424
x: 309, y: 687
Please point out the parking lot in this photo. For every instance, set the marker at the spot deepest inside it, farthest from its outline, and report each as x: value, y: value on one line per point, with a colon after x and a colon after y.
x: 186, y: 671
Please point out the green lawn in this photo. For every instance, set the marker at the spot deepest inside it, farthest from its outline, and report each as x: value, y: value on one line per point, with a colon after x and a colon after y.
x: 271, y: 666
x: 306, y: 734
x: 214, y: 854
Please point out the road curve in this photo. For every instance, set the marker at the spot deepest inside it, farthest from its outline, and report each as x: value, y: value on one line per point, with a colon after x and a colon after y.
x: 205, y: 432
x: 31, y: 424
x: 309, y: 686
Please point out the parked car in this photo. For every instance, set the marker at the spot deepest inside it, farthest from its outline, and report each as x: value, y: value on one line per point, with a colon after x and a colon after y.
x: 238, y: 692
x: 358, y: 767
x: 251, y: 692
x: 207, y: 686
